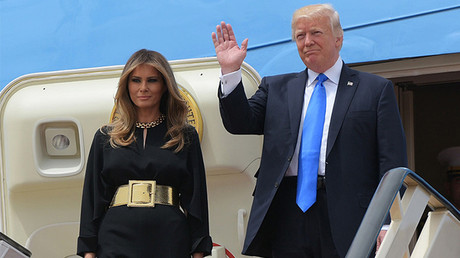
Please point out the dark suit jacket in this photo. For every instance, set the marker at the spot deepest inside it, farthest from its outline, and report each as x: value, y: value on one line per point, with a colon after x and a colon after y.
x: 365, y: 140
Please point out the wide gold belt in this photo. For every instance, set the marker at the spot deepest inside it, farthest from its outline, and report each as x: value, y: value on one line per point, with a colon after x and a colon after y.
x: 144, y: 193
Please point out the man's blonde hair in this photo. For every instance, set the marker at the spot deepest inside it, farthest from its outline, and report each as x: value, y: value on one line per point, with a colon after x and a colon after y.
x: 317, y: 11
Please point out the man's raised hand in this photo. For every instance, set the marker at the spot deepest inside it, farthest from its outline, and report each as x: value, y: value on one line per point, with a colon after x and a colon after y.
x: 229, y: 55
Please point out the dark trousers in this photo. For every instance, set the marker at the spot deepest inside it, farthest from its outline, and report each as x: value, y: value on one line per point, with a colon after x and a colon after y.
x: 294, y: 233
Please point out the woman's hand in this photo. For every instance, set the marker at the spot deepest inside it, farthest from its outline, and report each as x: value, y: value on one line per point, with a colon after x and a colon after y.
x: 197, y: 255
x: 90, y: 255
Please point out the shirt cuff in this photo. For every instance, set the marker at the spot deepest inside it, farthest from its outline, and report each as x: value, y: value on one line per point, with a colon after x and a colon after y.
x: 385, y: 227
x: 229, y: 81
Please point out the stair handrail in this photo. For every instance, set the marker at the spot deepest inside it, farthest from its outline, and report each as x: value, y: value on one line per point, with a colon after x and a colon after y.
x: 380, y: 205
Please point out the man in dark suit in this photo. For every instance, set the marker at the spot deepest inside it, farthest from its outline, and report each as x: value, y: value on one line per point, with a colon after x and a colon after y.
x: 362, y: 138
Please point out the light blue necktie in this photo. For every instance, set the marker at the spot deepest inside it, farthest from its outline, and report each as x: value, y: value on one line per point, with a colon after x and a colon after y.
x: 310, y: 146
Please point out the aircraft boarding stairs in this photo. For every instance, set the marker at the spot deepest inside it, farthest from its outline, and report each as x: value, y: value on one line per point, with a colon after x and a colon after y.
x: 439, y: 237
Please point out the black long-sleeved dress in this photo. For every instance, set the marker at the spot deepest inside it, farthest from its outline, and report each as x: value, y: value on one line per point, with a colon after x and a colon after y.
x: 160, y: 231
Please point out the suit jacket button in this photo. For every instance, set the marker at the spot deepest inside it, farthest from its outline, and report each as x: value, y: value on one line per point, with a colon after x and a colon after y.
x: 289, y: 159
x: 277, y: 185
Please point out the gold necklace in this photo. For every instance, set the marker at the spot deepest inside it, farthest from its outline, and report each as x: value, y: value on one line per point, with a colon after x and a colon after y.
x: 151, y: 124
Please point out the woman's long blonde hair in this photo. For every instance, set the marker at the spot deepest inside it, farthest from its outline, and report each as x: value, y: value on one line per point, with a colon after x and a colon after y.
x: 122, y: 128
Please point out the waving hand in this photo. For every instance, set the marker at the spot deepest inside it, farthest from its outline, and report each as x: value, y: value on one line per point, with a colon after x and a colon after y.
x: 229, y: 55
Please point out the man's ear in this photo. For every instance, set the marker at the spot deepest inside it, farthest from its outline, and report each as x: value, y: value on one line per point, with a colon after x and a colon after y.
x: 339, y: 41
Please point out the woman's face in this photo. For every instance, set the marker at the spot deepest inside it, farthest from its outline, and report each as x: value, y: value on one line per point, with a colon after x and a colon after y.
x: 146, y: 86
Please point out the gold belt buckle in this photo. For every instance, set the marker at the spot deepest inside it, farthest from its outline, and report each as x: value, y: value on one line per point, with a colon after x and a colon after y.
x: 141, y: 193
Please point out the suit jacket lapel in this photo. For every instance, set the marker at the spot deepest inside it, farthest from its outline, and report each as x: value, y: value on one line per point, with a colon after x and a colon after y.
x: 296, y: 90
x: 346, y: 89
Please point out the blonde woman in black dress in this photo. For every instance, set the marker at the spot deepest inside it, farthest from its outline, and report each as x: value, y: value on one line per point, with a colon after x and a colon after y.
x: 148, y: 150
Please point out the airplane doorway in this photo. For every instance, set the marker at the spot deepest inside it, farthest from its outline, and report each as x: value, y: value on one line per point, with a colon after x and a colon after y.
x: 436, y: 119
x: 428, y: 92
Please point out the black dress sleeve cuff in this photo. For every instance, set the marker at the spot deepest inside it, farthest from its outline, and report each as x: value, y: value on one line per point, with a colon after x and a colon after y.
x: 202, y: 245
x: 86, y: 245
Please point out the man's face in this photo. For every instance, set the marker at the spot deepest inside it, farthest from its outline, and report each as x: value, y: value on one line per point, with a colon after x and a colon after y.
x: 318, y: 47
